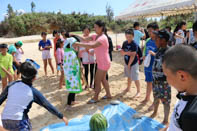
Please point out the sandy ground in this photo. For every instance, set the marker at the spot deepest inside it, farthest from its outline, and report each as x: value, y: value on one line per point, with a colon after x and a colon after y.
x: 58, y: 97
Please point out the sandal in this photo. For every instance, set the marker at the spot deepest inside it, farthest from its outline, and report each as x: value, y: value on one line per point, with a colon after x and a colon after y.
x: 92, y: 101
x: 105, y: 97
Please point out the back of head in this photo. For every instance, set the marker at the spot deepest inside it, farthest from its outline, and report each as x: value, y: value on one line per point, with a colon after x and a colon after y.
x: 136, y: 24
x: 181, y: 57
x: 28, y: 72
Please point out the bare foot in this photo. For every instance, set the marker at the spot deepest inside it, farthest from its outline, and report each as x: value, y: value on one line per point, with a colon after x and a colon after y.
x: 74, y: 103
x: 137, y: 95
x: 144, y: 101
x: 126, y: 91
x: 151, y: 107
x: 165, y: 123
x: 153, y: 115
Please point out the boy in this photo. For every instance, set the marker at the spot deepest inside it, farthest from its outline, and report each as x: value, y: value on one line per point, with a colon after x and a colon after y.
x: 129, y: 51
x: 45, y: 46
x: 6, y: 63
x: 161, y: 88
x: 179, y: 66
x: 151, y: 48
x: 20, y: 95
x: 138, y: 33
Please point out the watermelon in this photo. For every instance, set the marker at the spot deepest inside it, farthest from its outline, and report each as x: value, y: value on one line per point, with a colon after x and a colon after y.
x: 98, y: 122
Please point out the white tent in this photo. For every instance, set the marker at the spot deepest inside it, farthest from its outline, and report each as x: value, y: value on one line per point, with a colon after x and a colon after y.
x: 155, y: 8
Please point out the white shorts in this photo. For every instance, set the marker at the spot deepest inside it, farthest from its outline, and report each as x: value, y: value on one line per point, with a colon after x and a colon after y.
x: 133, y: 73
x: 46, y: 54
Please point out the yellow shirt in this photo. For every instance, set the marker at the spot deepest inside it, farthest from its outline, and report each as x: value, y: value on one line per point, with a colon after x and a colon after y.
x: 6, y: 62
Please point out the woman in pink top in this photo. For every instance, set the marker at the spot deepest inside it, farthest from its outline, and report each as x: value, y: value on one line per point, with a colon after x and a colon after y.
x: 60, y: 60
x: 100, y: 46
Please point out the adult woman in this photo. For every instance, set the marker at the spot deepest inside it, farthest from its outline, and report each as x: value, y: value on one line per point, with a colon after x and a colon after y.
x: 101, y: 48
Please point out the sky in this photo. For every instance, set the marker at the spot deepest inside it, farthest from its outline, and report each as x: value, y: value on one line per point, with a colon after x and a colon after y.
x: 96, y: 7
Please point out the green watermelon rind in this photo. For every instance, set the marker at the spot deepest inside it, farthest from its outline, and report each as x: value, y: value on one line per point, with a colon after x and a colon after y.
x: 96, y: 123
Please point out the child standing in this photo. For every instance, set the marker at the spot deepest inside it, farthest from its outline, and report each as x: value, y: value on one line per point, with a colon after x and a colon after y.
x: 161, y: 88
x: 45, y: 46
x: 20, y: 95
x: 151, y: 49
x: 60, y: 60
x: 6, y: 66
x: 129, y: 51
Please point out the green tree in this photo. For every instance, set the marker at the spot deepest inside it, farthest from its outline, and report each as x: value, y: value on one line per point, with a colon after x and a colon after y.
x: 33, y: 6
x: 10, y: 11
x: 110, y: 13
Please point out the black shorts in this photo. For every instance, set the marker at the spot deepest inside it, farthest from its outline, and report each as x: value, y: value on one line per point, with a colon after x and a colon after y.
x: 16, y: 67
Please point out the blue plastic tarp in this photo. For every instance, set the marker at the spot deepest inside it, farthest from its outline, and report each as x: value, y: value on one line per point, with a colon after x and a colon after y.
x: 119, y: 117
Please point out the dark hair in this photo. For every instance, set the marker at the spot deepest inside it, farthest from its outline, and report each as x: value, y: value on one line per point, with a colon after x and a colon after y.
x: 28, y: 72
x: 43, y: 33
x: 155, y: 26
x: 86, y: 27
x: 168, y: 27
x: 129, y: 32
x: 62, y: 31
x: 55, y: 32
x: 181, y: 24
x: 136, y: 24
x: 67, y: 34
x: 181, y: 57
x: 3, y: 45
x: 58, y: 44
x: 149, y: 25
x: 100, y: 23
x: 194, y: 27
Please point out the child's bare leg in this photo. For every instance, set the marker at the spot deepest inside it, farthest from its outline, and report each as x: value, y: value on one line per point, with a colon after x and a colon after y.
x: 51, y: 65
x: 137, y: 84
x: 148, y: 92
x: 128, y: 86
x: 166, y: 113
x: 156, y: 105
x: 45, y: 66
x: 61, y: 79
x: 4, y: 82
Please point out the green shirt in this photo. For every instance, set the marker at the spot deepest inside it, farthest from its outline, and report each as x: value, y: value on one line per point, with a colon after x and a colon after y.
x: 6, y: 62
x: 11, y: 49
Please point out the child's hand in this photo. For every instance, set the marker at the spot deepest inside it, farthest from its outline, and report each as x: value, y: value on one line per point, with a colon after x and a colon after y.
x: 152, y: 53
x: 65, y: 120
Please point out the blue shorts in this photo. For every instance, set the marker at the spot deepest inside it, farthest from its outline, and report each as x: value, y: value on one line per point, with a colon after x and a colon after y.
x: 148, y: 76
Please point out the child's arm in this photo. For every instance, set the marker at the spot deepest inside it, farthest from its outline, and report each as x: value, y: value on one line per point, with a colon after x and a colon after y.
x: 4, y: 95
x: 7, y: 72
x: 152, y: 53
x: 131, y: 59
x: 22, y: 52
x: 42, y: 101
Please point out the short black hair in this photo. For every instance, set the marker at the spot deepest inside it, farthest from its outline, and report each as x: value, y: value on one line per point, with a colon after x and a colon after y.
x: 168, y: 27
x: 182, y: 23
x: 62, y: 31
x: 55, y: 32
x: 129, y: 32
x: 153, y: 25
x: 181, y: 57
x: 100, y: 23
x: 3, y: 46
x: 149, y: 25
x: 66, y: 34
x: 43, y: 33
x: 86, y: 27
x: 136, y: 24
x: 28, y: 71
x: 194, y: 27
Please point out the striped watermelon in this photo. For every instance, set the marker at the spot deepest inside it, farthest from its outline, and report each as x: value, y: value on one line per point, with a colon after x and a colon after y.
x: 98, y: 122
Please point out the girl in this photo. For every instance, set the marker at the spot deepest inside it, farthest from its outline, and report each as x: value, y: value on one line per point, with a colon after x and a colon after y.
x: 101, y: 47
x: 60, y: 59
x: 71, y: 70
x: 45, y: 46
x: 6, y: 63
x: 180, y: 35
x: 88, y: 59
x: 57, y: 37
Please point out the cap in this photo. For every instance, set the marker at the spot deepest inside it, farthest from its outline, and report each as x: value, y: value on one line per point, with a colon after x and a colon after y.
x: 19, y: 43
x: 162, y: 34
x: 3, y: 46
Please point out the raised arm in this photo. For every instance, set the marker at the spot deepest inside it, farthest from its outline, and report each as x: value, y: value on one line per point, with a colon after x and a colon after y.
x: 86, y: 39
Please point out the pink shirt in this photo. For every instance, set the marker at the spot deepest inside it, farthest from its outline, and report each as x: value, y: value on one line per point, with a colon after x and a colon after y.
x: 101, y: 52
x: 60, y: 55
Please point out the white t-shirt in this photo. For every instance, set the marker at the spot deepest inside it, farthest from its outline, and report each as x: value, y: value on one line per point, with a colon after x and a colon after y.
x: 18, y: 55
x: 179, y: 107
x: 180, y: 40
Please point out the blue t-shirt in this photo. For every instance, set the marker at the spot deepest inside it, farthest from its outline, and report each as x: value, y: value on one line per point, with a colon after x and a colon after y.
x: 150, y: 46
x: 137, y: 36
x: 43, y: 44
x: 130, y: 47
